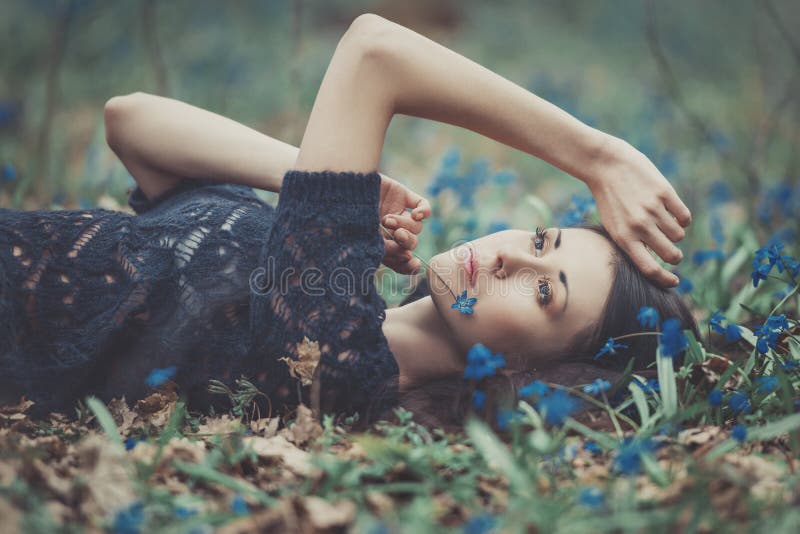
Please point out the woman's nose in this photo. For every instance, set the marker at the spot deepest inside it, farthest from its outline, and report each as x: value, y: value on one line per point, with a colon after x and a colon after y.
x: 510, y: 262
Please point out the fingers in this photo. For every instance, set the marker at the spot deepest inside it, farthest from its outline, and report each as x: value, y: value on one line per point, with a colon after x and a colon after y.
x: 642, y: 258
x: 662, y: 246
x: 667, y: 224
x: 422, y: 209
x: 399, y: 259
x: 676, y: 207
x: 403, y: 221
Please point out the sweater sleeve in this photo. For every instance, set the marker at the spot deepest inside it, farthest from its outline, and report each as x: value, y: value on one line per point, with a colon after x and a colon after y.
x: 316, y: 280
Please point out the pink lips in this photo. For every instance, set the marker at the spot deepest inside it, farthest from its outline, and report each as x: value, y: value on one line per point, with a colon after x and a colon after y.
x: 472, y: 266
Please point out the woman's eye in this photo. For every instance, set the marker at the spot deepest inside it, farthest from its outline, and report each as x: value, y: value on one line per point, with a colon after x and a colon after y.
x: 538, y: 240
x: 545, y: 292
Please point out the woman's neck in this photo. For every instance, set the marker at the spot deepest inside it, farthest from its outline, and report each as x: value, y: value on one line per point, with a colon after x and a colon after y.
x: 421, y: 342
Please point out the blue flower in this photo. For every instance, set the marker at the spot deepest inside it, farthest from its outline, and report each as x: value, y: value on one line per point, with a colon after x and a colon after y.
x: 592, y: 448
x: 760, y: 273
x: 733, y: 333
x: 579, y: 209
x: 159, y: 376
x: 684, y: 284
x: 536, y: 387
x: 610, y: 347
x: 739, y: 433
x: 651, y: 386
x: 715, y: 321
x: 478, y: 398
x: 628, y: 460
x: 739, y: 403
x: 481, y: 362
x: 768, y: 333
x: 717, y: 233
x: 239, y: 506
x: 130, y: 443
x: 766, y: 384
x: 504, y: 417
x: 715, y: 397
x: 9, y: 173
x: 479, y: 524
x: 647, y: 317
x: 791, y: 365
x: 183, y: 512
x: 591, y: 497
x: 557, y: 406
x: 701, y: 256
x: 129, y: 520
x: 597, y: 387
x: 672, y: 339
x: 464, y: 304
x: 504, y: 177
x: 719, y: 193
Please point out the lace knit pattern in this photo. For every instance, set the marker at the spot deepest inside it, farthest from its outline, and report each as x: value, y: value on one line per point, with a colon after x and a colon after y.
x: 93, y: 300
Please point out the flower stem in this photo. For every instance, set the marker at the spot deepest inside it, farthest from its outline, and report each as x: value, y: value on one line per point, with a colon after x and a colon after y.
x: 425, y: 263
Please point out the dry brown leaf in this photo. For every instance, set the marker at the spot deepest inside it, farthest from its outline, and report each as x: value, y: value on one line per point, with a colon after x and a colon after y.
x: 305, y: 428
x: 324, y: 515
x: 106, y: 469
x: 296, y: 460
x: 265, y: 427
x: 123, y: 416
x: 224, y: 424
x: 308, y: 355
x: 20, y: 407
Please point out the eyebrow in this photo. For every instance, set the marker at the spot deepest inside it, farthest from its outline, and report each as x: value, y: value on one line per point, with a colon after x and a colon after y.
x: 561, y: 276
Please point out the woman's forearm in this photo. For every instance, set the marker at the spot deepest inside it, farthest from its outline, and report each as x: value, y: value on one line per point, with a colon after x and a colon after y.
x: 428, y: 80
x: 185, y: 140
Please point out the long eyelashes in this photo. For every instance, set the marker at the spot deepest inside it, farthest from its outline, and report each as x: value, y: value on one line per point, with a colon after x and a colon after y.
x: 538, y: 239
x: 544, y: 291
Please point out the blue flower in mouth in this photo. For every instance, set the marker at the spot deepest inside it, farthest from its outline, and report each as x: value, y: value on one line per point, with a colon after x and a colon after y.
x: 464, y: 304
x: 610, y: 348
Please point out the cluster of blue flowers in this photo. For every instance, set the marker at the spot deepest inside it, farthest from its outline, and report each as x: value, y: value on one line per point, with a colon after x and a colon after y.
x: 768, y: 332
x: 579, y: 210
x: 159, y: 376
x: 464, y: 186
x: 628, y: 460
x: 771, y: 253
x: 732, y: 332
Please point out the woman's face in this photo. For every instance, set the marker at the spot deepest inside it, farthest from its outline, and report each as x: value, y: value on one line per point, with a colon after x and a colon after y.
x: 534, y: 295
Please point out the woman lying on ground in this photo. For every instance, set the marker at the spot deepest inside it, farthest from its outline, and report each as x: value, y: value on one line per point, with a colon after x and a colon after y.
x: 209, y: 281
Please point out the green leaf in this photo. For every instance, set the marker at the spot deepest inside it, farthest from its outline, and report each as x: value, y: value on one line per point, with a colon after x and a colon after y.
x: 641, y: 403
x: 105, y: 419
x: 497, y: 456
x: 667, y: 383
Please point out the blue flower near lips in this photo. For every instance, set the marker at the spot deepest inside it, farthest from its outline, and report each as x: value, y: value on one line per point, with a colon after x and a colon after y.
x: 464, y: 304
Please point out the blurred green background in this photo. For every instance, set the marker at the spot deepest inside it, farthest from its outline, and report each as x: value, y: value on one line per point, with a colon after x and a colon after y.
x: 708, y: 90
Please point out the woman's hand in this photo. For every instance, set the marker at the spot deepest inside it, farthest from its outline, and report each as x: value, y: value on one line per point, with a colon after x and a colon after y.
x: 639, y: 207
x: 395, y: 199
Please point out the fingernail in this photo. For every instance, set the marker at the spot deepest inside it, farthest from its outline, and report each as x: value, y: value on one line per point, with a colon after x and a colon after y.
x: 390, y: 221
x: 418, y: 215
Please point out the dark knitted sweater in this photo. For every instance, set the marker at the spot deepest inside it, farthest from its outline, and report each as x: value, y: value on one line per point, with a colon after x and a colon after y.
x: 207, y: 278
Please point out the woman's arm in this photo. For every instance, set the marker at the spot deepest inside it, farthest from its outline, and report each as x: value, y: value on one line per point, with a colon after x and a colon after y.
x: 161, y: 140
x: 381, y: 68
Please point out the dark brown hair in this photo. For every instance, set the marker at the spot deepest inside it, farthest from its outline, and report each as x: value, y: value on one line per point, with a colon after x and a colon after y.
x: 445, y: 402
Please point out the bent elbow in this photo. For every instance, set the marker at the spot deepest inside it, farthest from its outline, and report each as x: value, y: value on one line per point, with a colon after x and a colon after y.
x: 371, y: 37
x: 116, y: 113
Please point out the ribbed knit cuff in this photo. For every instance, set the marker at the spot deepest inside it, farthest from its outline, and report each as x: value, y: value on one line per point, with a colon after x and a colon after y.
x: 332, y: 187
